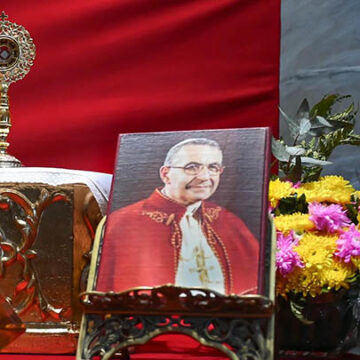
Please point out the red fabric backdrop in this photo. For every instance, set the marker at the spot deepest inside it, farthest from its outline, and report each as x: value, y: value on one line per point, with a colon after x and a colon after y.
x: 110, y: 66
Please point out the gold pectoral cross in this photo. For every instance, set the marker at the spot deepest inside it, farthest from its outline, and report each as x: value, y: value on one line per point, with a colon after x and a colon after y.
x: 201, y: 268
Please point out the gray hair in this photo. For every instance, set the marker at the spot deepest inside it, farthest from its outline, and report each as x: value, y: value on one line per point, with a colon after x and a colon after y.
x: 196, y: 141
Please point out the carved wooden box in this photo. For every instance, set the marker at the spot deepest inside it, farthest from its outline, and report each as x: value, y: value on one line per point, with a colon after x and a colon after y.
x: 46, y: 233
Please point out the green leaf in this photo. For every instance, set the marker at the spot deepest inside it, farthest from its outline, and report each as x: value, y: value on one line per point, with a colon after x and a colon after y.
x: 292, y: 204
x: 312, y: 143
x: 279, y: 150
x: 352, y: 213
x: 297, y: 311
x: 287, y: 205
x: 311, y: 161
x: 303, y: 110
x: 319, y: 126
x: 349, y: 110
x: 323, y: 107
x: 295, y: 150
x: 353, y: 139
x: 305, y: 126
x: 317, y: 132
x: 302, y: 205
x: 343, y: 115
x: 320, y: 122
x: 312, y: 147
x: 345, y: 119
x: 296, y: 171
x: 292, y: 124
x: 311, y: 173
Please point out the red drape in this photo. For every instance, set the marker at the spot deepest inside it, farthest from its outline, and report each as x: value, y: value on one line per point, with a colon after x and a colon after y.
x: 110, y: 66
x: 105, y: 67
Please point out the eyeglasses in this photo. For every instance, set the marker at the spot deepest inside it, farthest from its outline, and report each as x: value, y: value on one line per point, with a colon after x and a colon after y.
x: 196, y: 168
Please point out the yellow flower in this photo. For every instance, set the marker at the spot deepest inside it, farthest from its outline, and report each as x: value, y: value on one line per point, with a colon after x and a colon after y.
x: 303, y: 280
x: 332, y: 188
x: 281, y: 285
x: 316, y: 250
x: 298, y: 222
x: 321, y: 270
x: 312, y: 281
x: 336, y: 275
x: 356, y: 261
x: 279, y: 189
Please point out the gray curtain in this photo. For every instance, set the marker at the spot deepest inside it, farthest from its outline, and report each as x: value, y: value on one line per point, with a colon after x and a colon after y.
x: 320, y: 54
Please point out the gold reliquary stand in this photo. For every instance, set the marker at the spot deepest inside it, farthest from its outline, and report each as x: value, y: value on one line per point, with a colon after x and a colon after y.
x: 48, y: 219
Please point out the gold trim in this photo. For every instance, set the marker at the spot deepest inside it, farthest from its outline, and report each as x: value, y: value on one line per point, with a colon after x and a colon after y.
x: 212, y: 213
x: 91, y: 282
x: 157, y: 216
x: 214, y: 239
x: 167, y: 330
x: 95, y: 254
x: 270, y: 338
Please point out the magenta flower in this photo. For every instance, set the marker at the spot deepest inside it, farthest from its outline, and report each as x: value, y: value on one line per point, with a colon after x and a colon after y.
x: 286, y: 258
x: 296, y: 185
x: 329, y: 218
x: 348, y: 244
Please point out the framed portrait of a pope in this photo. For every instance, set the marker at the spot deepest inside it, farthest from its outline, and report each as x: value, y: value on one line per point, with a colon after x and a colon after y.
x: 187, y: 209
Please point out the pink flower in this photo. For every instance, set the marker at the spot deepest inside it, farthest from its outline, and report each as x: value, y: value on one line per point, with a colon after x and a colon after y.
x: 286, y: 258
x: 296, y: 185
x: 329, y: 218
x: 348, y: 244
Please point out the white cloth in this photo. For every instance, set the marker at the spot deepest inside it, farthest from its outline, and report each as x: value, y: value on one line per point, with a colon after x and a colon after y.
x: 98, y: 183
x: 198, y: 265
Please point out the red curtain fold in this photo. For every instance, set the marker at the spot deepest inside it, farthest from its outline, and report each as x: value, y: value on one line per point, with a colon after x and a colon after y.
x: 107, y: 66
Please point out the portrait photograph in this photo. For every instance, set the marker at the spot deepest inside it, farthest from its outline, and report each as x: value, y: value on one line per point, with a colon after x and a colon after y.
x: 187, y: 209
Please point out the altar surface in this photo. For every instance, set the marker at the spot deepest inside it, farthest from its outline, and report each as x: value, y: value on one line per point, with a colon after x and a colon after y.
x: 166, y: 347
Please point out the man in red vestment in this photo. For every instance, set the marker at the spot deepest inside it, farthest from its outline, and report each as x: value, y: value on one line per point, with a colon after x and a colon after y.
x: 176, y: 236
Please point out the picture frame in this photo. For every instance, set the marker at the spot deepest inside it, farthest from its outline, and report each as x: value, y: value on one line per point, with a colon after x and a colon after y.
x: 156, y: 244
x: 116, y: 318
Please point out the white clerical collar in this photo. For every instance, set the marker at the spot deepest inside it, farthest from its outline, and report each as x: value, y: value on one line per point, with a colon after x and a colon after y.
x: 191, y: 209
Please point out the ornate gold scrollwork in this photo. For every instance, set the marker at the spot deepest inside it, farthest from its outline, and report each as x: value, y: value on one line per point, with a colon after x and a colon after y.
x: 174, y: 299
x: 17, y: 54
x: 18, y: 51
x: 27, y: 221
x: 238, y: 338
x: 234, y: 325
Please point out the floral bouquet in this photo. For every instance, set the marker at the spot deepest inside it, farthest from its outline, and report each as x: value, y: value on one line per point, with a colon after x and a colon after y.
x: 317, y: 224
x: 316, y: 218
x: 318, y: 241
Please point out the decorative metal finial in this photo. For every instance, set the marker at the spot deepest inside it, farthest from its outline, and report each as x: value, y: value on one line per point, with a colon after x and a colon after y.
x: 17, y: 53
x: 3, y: 16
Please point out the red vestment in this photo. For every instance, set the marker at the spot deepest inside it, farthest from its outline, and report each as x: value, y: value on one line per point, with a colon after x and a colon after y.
x: 142, y: 246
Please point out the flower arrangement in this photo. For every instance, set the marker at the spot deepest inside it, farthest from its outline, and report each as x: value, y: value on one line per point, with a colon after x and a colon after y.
x: 316, y: 218
x: 318, y: 248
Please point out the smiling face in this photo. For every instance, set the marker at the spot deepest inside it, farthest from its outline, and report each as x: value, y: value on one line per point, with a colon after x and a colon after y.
x: 187, y: 188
